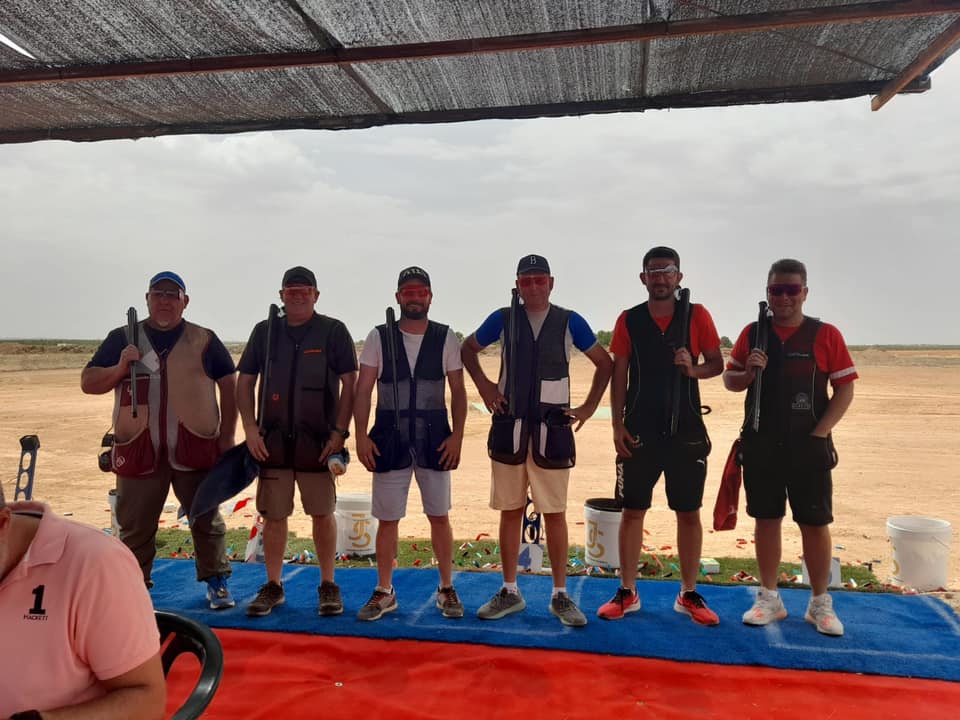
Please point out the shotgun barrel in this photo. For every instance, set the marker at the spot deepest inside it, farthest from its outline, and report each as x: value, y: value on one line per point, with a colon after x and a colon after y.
x: 273, y: 316
x: 133, y: 338
x: 758, y: 379
x: 392, y: 349
x: 512, y: 353
x: 683, y: 311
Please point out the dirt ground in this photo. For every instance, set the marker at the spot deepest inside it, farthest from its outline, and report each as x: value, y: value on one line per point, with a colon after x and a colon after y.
x: 894, y: 445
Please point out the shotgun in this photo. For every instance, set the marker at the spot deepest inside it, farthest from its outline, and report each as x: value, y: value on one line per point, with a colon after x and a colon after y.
x: 512, y: 353
x: 758, y: 380
x: 683, y: 309
x: 273, y: 315
x: 133, y: 338
x: 392, y: 349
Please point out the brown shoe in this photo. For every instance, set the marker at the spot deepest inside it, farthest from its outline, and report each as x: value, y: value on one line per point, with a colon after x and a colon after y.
x: 330, y: 601
x: 268, y: 597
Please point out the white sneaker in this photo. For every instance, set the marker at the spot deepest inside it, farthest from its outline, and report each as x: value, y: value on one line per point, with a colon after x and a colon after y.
x: 767, y: 608
x: 820, y: 614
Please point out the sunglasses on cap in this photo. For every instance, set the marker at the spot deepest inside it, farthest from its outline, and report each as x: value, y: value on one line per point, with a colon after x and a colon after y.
x: 414, y: 293
x: 531, y: 280
x: 780, y: 289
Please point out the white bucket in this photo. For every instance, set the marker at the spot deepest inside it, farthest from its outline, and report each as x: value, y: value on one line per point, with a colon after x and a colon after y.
x: 921, y: 550
x: 112, y: 502
x: 356, y: 526
x: 601, y: 547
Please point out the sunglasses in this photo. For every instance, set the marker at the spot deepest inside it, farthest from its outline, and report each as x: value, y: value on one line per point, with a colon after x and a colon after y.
x: 165, y: 294
x: 780, y: 289
x: 414, y: 293
x: 668, y: 271
x: 297, y: 290
x: 531, y: 280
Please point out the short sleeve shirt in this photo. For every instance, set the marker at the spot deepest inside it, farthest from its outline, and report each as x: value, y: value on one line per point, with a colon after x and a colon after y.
x: 829, y: 351
x: 703, y: 333
x: 579, y: 334
x: 372, y: 354
x: 341, y: 353
x: 217, y: 362
x: 73, y: 611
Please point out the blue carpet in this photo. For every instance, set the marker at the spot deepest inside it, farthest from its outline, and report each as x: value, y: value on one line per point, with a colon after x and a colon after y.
x: 886, y: 634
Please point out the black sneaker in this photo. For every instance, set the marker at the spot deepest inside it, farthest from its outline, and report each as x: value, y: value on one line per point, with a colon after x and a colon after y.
x: 330, y: 601
x: 268, y: 597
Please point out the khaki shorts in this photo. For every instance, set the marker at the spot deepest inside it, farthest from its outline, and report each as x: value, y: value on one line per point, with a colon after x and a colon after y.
x: 509, y: 483
x: 318, y: 493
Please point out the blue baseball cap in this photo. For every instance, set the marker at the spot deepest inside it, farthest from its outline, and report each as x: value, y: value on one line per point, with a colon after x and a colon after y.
x: 168, y: 275
x: 533, y: 263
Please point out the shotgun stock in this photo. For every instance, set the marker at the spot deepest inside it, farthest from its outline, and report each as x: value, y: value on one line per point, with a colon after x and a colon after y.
x: 512, y: 352
x: 273, y: 315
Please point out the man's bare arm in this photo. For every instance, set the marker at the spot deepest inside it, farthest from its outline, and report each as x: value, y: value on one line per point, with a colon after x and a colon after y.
x: 603, y: 368
x: 838, y: 405
x: 489, y: 392
x: 100, y: 380
x: 140, y: 693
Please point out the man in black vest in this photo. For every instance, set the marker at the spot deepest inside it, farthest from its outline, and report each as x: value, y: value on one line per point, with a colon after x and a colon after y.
x: 654, y: 357
x: 306, y: 409
x: 531, y: 441
x: 410, y: 363
x: 790, y: 453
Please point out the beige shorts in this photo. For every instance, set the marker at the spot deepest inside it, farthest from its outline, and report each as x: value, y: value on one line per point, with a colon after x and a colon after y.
x: 318, y: 493
x: 509, y: 483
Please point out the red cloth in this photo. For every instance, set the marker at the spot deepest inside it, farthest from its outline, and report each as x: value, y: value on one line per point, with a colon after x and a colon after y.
x: 728, y: 496
x: 303, y: 677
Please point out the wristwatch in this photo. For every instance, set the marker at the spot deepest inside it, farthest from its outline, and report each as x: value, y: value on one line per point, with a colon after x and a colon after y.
x: 342, y: 433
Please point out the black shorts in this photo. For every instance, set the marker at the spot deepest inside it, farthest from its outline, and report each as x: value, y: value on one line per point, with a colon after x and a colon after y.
x: 684, y: 465
x: 798, y: 471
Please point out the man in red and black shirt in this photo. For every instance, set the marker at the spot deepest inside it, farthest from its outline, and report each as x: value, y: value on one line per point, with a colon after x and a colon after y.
x: 650, y: 347
x: 790, y: 453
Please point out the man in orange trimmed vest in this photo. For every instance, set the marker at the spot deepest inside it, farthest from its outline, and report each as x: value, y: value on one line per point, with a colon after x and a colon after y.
x: 179, y: 428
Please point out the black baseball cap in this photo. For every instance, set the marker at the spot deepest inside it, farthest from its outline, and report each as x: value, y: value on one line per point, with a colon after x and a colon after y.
x: 533, y: 263
x: 415, y: 274
x: 299, y: 275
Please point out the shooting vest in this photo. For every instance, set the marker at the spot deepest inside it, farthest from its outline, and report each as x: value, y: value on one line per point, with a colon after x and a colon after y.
x: 793, y: 393
x: 541, y: 394
x: 301, y: 395
x: 421, y: 403
x: 650, y: 380
x: 177, y: 411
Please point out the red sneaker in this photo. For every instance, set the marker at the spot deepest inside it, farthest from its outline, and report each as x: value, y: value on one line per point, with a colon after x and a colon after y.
x: 692, y: 603
x: 625, y: 601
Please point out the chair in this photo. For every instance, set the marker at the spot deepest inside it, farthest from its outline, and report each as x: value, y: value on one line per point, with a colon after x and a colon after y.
x: 196, y: 638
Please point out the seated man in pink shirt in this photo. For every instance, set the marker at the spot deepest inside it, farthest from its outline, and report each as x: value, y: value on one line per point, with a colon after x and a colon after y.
x: 78, y: 628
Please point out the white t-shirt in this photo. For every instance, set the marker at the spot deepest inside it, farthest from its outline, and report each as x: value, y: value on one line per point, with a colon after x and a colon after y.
x: 372, y: 354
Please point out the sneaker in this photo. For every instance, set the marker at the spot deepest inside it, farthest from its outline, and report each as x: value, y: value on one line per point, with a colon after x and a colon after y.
x: 766, y: 608
x: 692, y: 603
x: 379, y: 603
x: 218, y: 593
x: 625, y: 601
x: 564, y: 608
x: 448, y: 603
x: 268, y: 597
x: 820, y: 613
x: 330, y: 601
x: 502, y: 604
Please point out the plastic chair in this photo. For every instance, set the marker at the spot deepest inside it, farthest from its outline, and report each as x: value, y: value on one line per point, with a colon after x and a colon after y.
x: 193, y: 637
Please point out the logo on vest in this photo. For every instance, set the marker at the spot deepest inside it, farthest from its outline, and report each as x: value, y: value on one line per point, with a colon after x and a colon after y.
x: 801, y: 401
x: 119, y: 460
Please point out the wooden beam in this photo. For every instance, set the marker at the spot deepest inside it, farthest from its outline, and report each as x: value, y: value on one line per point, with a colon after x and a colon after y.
x: 719, y: 98
x: 929, y: 56
x: 757, y: 22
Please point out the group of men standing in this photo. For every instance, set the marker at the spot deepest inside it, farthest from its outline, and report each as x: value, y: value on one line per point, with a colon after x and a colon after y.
x: 176, y: 413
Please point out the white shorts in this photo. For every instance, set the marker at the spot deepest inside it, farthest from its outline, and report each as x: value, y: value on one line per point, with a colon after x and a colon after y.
x: 390, y: 491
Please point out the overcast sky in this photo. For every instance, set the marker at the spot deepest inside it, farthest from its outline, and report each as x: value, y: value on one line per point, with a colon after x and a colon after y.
x: 868, y: 200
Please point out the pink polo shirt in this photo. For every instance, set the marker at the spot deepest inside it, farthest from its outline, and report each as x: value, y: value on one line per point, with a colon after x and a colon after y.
x: 72, y: 611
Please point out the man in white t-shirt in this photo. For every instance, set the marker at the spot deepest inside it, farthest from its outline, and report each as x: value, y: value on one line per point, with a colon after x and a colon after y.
x: 411, y: 362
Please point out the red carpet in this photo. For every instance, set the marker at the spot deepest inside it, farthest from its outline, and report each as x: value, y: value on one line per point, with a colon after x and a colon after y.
x: 290, y: 676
